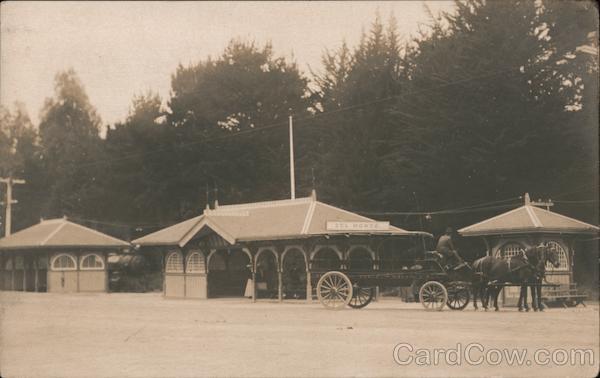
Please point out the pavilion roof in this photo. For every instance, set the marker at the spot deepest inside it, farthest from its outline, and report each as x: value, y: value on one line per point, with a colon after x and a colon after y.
x: 271, y: 220
x: 528, y: 219
x: 59, y: 233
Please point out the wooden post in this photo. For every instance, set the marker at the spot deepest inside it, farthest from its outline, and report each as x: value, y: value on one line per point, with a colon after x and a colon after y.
x: 279, y: 285
x: 24, y: 275
x: 77, y: 263
x: 253, y: 286
x: 35, y: 267
x: 12, y: 275
x: 48, y: 268
x: 308, y: 287
x: 164, y: 271
x: 106, y: 277
x: 184, y: 253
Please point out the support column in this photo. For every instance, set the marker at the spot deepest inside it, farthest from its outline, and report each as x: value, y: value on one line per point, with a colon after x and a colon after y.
x: 24, y: 275
x: 77, y: 257
x: 279, y: 285
x: 308, y: 287
x: 164, y: 272
x: 253, y: 286
x: 106, y: 276
x: 12, y: 274
x: 35, y: 267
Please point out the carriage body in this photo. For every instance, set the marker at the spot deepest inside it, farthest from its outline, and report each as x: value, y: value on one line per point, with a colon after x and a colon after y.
x: 433, y: 284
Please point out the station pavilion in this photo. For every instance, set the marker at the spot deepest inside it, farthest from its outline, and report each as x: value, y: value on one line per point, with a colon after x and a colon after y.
x: 57, y: 255
x: 272, y: 249
x: 505, y: 235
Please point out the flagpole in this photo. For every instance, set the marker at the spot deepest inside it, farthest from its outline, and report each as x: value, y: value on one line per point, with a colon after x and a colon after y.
x: 292, y: 173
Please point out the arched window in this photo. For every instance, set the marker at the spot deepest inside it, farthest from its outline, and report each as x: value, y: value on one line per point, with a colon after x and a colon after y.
x: 510, y: 249
x: 562, y: 258
x: 325, y: 259
x: 64, y: 262
x: 174, y: 263
x: 360, y: 259
x: 217, y: 261
x: 92, y: 262
x: 195, y: 263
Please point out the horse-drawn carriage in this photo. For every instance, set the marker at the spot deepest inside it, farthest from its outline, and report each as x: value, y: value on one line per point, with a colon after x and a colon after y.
x: 434, y: 284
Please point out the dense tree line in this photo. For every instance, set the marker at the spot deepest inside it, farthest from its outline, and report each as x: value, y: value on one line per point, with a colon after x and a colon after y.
x: 488, y: 102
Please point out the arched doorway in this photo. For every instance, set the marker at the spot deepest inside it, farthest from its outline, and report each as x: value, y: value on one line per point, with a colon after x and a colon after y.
x: 325, y: 259
x: 228, y: 273
x: 294, y: 274
x: 267, y: 277
x: 360, y: 260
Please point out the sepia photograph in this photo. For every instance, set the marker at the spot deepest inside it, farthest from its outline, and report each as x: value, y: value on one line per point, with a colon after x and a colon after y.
x: 299, y: 188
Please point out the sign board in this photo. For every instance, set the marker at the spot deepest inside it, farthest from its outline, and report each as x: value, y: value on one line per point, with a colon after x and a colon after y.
x: 358, y: 226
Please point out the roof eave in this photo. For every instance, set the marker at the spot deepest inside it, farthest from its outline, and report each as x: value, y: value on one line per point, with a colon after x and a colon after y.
x: 52, y: 247
x: 527, y: 231
x: 307, y: 236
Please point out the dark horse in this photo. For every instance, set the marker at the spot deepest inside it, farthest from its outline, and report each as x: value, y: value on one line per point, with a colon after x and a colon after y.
x: 521, y: 270
x: 544, y: 254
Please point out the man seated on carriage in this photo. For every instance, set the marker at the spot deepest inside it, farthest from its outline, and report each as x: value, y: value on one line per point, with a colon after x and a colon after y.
x: 445, y: 247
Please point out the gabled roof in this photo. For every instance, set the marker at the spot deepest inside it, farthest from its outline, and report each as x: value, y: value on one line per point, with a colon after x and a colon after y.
x: 528, y: 219
x: 59, y: 233
x: 271, y: 220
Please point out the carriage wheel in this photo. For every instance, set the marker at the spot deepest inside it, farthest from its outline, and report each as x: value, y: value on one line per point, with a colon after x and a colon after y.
x: 334, y: 290
x: 458, y: 296
x: 433, y: 295
x: 361, y: 296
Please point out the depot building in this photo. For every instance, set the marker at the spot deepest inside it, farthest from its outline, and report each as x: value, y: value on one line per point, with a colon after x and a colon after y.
x: 57, y: 255
x: 273, y: 249
x: 509, y: 233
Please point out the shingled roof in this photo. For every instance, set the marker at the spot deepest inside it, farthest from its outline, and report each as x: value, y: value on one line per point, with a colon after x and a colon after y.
x: 528, y: 219
x: 272, y: 220
x: 60, y: 232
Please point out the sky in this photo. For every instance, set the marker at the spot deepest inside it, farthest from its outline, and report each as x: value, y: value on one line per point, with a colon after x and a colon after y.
x: 120, y: 49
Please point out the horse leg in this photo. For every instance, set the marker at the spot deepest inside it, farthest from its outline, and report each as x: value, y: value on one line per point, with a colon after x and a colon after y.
x: 496, y: 294
x: 533, y: 296
x: 522, y: 292
x: 538, y: 289
x: 485, y: 297
x: 524, y: 288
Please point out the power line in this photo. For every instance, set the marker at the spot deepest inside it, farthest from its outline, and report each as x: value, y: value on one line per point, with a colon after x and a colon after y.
x: 582, y: 201
x: 117, y: 224
x: 442, y: 212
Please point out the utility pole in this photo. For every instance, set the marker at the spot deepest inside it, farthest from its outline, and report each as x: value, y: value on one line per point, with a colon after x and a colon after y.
x: 539, y: 202
x: 548, y: 204
x: 9, y: 201
x: 292, y: 174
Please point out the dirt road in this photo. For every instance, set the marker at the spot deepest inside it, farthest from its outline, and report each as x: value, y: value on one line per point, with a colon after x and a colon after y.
x: 142, y: 335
